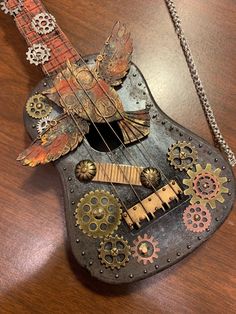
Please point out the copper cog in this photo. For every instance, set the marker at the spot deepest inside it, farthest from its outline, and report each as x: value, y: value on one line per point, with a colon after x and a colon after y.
x: 197, y: 218
x: 145, y: 249
x: 205, y: 186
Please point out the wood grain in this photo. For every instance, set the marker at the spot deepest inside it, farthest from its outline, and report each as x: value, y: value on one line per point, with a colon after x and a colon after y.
x: 37, y: 272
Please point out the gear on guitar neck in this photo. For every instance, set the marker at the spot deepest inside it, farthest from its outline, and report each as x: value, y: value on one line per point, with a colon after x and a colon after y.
x: 38, y: 54
x: 43, y: 23
x: 14, y: 10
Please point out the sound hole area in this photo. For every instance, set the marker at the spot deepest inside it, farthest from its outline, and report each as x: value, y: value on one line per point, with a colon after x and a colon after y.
x: 104, y: 137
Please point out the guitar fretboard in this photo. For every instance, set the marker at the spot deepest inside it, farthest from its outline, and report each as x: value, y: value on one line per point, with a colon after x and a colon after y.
x: 60, y: 47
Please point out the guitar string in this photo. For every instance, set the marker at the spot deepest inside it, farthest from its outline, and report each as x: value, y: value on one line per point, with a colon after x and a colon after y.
x: 104, y: 117
x: 139, y: 200
x: 150, y: 158
x: 104, y: 139
x: 92, y: 157
x: 121, y: 142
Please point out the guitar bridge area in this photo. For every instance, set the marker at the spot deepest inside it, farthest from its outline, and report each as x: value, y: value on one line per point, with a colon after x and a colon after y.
x: 161, y: 199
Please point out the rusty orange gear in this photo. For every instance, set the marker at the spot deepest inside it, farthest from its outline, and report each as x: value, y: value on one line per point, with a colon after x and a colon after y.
x: 197, y: 218
x: 145, y: 249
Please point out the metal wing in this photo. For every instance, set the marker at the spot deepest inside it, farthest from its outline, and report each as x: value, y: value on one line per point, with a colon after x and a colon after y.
x: 61, y: 137
x: 113, y: 62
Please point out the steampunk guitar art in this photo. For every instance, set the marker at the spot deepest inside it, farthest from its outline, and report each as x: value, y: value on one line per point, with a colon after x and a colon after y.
x: 141, y: 191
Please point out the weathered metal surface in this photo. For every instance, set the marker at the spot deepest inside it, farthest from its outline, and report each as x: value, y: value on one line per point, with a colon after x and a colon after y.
x: 170, y: 237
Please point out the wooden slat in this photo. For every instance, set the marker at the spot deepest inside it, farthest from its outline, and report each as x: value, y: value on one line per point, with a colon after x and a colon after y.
x: 116, y: 173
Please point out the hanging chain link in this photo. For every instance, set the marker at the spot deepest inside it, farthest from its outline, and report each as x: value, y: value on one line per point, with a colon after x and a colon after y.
x: 218, y: 137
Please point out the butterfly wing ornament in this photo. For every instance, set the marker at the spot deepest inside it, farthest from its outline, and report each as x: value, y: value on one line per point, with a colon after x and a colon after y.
x: 63, y: 135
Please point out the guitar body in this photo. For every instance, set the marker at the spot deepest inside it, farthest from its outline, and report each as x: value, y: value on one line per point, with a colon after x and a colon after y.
x: 116, y: 247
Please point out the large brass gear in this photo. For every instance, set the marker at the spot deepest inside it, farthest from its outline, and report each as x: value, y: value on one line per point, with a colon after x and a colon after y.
x: 37, y: 107
x: 182, y: 155
x: 205, y: 186
x: 98, y: 214
x: 145, y: 249
x: 114, y: 252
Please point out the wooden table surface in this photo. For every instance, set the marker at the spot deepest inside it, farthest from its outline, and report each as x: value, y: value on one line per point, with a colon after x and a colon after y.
x: 37, y: 271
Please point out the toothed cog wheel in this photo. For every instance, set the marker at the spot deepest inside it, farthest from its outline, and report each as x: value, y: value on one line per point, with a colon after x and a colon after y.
x: 182, y: 155
x: 98, y: 214
x: 38, y: 54
x: 11, y: 7
x: 114, y: 252
x: 43, y: 124
x: 205, y: 186
x: 43, y: 23
x: 37, y: 107
x: 197, y: 218
x: 145, y: 249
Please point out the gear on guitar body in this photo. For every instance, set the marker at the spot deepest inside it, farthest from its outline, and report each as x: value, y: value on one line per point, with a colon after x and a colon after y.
x: 139, y: 188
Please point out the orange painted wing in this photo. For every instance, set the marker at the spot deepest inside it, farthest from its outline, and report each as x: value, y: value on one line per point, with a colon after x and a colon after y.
x: 55, y: 142
x: 113, y: 61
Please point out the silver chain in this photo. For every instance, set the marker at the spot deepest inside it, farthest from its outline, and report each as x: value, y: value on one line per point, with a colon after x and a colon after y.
x: 218, y: 137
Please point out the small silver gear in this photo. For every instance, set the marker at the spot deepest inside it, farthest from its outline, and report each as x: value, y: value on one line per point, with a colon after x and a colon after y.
x: 43, y: 23
x: 38, y: 54
x: 12, y: 11
x: 43, y: 124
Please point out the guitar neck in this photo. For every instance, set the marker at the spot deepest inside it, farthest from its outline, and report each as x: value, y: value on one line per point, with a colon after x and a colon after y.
x: 48, y: 45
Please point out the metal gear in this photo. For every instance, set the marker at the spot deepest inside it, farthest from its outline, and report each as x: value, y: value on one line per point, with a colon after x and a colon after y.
x: 182, y: 155
x: 14, y: 10
x: 37, y: 107
x: 38, y: 54
x: 43, y: 124
x: 145, y: 249
x: 43, y: 23
x: 205, y: 186
x: 85, y: 170
x: 197, y: 218
x: 98, y: 214
x: 114, y: 252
